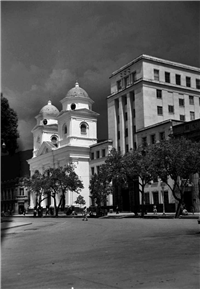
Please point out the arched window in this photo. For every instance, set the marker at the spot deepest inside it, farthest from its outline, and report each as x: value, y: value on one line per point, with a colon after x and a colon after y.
x: 83, y: 127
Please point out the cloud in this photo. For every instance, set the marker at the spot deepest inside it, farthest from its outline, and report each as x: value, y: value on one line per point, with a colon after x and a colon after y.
x: 58, y: 80
x: 47, y: 46
x: 26, y: 139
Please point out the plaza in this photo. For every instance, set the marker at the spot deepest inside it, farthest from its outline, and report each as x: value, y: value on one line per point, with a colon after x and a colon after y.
x: 59, y: 253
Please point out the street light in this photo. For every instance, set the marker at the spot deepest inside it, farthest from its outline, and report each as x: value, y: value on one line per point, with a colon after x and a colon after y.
x: 163, y: 197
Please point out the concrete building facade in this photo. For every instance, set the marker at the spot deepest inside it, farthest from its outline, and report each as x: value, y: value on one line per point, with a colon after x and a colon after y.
x: 149, y: 98
x: 147, y: 91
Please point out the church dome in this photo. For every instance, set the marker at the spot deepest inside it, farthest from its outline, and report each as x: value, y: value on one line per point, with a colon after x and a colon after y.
x: 49, y: 110
x: 77, y: 91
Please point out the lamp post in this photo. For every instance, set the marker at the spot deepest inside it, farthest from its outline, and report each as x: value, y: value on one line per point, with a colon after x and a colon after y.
x: 163, y: 196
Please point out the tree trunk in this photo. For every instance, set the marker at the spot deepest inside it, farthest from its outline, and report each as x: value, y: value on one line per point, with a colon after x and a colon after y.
x: 142, y: 213
x: 55, y: 207
x: 178, y: 210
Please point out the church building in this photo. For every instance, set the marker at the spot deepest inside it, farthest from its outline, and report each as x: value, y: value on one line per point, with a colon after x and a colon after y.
x: 63, y: 137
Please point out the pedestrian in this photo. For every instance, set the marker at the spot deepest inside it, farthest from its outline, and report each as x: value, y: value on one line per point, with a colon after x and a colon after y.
x: 117, y: 210
x: 85, y: 214
x: 34, y: 212
x: 47, y: 210
x: 154, y: 210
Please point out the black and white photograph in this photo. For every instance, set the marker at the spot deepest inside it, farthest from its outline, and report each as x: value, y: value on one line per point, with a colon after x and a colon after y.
x: 100, y: 144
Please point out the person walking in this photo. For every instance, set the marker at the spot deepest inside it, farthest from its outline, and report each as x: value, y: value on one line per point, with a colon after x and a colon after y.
x: 85, y: 214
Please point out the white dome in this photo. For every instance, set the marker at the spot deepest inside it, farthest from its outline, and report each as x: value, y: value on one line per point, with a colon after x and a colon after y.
x: 49, y: 110
x: 77, y: 91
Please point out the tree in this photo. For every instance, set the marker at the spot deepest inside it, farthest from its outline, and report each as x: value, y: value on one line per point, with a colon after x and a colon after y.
x: 9, y: 124
x: 138, y: 165
x: 80, y: 200
x: 100, y: 187
x: 176, y: 159
x: 116, y: 172
x: 60, y: 180
x: 36, y: 184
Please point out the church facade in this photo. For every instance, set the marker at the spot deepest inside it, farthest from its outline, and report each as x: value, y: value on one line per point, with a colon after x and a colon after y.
x: 63, y: 137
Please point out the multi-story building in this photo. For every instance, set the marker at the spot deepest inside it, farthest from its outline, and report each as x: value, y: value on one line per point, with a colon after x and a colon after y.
x: 147, y: 91
x: 149, y: 97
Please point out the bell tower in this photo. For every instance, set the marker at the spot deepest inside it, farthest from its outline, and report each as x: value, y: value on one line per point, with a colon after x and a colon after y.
x: 77, y: 123
x: 46, y: 128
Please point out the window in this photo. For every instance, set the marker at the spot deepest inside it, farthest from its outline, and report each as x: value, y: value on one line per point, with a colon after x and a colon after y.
x: 119, y: 85
x: 178, y: 79
x: 153, y: 139
x: 54, y: 140
x: 134, y: 113
x: 118, y: 119
x: 92, y: 156
x: 118, y: 134
x: 167, y: 77
x: 127, y: 148
x: 83, y: 128
x: 191, y: 99
x: 144, y: 141
x: 64, y: 129
x: 125, y: 100
x: 188, y: 81
x: 192, y: 115
x: 156, y: 74
x: 155, y: 198
x: 133, y: 95
x: 73, y: 106
x: 182, y: 117
x: 181, y: 102
x: 146, y: 199
x: 171, y: 108
x: 92, y: 170
x: 159, y: 93
x: 21, y: 191
x: 198, y: 83
x: 126, y: 132
x: 162, y: 135
x: 134, y: 77
x: 134, y: 129
x: 97, y: 154
x: 98, y: 168
x: 126, y: 82
x: 159, y: 110
x: 103, y: 153
x: 126, y: 116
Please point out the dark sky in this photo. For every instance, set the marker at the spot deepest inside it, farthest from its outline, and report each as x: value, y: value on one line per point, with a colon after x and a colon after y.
x: 47, y: 46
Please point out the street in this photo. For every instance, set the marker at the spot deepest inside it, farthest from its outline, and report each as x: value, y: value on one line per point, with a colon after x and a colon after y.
x: 65, y: 253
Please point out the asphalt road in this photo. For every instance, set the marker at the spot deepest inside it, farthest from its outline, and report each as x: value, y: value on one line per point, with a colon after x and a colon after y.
x: 101, y: 254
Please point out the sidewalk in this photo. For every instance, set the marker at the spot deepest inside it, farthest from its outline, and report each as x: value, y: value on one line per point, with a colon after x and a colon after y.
x: 112, y: 216
x: 8, y: 224
x: 150, y: 216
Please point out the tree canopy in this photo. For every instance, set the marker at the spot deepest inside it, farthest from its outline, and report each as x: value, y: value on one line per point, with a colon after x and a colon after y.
x: 176, y: 159
x: 9, y: 124
x: 100, y: 186
x: 54, y: 181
